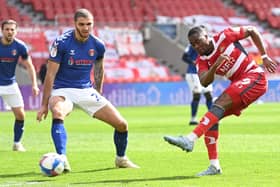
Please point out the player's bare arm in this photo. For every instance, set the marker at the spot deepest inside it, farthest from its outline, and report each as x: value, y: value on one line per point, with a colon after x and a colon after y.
x: 48, y: 84
x: 31, y: 71
x: 99, y: 75
x: 268, y: 63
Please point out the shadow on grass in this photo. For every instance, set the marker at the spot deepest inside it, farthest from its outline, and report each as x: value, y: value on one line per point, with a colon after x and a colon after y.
x: 95, y: 170
x: 28, y: 174
x: 140, y: 180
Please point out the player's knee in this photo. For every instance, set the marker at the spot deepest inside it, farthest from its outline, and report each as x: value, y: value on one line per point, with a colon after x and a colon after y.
x: 20, y: 116
x: 19, y: 113
x: 122, y: 125
x: 57, y: 112
x: 218, y: 111
x: 196, y: 97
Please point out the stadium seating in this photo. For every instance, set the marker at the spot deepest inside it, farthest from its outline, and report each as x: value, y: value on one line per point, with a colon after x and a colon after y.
x: 10, y: 12
x: 135, y: 11
x: 265, y: 10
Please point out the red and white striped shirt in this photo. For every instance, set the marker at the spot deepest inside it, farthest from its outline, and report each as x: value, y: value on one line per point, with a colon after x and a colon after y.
x: 239, y: 63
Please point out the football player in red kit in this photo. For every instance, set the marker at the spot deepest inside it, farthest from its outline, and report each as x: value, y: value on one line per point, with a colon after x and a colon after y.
x: 223, y: 55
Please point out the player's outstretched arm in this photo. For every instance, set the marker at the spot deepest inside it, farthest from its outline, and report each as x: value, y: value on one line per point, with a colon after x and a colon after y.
x: 268, y: 63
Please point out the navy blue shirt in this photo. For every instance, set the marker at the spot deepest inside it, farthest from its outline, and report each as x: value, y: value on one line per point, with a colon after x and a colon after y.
x: 76, y: 60
x: 189, y: 57
x: 9, y: 55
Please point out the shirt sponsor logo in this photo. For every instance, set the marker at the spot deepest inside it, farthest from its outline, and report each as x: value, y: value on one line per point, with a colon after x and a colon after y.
x: 80, y: 62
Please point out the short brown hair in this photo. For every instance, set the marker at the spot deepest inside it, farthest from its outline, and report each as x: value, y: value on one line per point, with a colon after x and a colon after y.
x: 85, y: 13
x: 8, y: 21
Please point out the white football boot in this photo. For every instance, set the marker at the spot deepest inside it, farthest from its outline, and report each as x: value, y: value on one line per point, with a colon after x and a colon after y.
x: 124, y: 162
x: 18, y: 147
x: 67, y: 167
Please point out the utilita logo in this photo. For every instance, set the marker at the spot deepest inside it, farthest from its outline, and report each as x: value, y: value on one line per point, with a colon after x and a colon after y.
x: 72, y: 61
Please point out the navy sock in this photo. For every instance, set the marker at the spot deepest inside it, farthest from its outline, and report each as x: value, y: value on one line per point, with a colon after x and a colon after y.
x: 18, y: 130
x: 209, y: 100
x: 59, y: 136
x: 120, y: 140
x: 209, y: 104
x: 194, y: 107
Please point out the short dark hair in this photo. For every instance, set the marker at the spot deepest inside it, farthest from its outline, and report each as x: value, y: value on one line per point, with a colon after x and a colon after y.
x: 197, y: 30
x: 8, y: 21
x: 85, y: 13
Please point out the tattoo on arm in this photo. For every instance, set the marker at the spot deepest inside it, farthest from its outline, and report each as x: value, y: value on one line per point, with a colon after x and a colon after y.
x: 98, y: 75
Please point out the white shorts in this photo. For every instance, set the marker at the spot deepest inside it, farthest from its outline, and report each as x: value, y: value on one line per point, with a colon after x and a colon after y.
x: 11, y: 95
x: 194, y: 84
x: 87, y: 99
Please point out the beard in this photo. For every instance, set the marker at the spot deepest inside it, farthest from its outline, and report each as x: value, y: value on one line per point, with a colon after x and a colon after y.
x: 8, y: 39
x: 82, y: 35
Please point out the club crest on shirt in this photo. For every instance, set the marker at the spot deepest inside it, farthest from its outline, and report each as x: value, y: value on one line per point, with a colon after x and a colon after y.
x: 91, y: 52
x: 53, y: 51
x: 221, y: 49
x: 14, y: 52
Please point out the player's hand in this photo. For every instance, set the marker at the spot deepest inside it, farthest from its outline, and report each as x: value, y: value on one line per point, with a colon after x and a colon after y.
x: 42, y: 113
x: 221, y: 59
x: 269, y: 64
x: 35, y: 90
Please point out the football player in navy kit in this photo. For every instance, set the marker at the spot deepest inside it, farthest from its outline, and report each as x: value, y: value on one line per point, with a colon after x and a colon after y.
x: 11, y: 50
x: 67, y: 82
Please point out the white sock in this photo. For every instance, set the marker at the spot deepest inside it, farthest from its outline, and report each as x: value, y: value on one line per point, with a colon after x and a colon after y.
x: 121, y: 157
x: 193, y: 119
x: 216, y: 163
x: 192, y: 137
x: 63, y: 157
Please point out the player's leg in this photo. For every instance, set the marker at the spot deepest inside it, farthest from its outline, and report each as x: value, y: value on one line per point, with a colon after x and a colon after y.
x: 234, y: 99
x: 211, y: 142
x: 110, y: 115
x: 15, y: 101
x: 243, y: 93
x: 100, y: 108
x: 194, y: 108
x: 211, y: 118
x: 60, y: 108
x: 18, y: 128
x: 196, y: 88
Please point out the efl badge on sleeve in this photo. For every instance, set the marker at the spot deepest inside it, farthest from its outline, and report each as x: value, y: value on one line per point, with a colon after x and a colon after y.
x: 53, y: 51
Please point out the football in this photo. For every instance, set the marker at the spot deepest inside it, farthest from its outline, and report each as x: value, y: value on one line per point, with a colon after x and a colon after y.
x: 51, y: 164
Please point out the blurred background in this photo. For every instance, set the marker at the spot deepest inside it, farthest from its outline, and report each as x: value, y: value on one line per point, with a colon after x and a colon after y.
x: 145, y: 40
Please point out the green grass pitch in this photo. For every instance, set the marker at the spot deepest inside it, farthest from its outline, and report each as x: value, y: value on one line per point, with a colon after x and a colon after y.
x: 249, y: 148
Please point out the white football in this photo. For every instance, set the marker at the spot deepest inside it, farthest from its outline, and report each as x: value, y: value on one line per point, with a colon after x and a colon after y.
x: 51, y: 164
